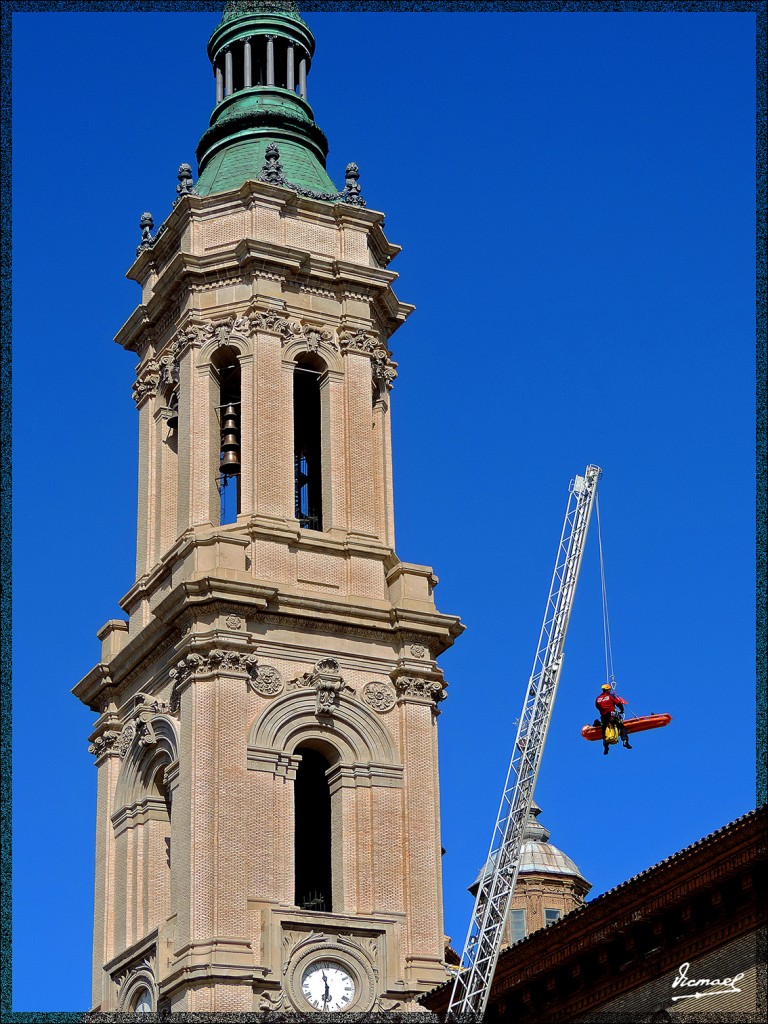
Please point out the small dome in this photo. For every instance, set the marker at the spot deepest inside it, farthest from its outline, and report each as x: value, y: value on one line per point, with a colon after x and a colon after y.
x: 236, y: 8
x: 537, y: 854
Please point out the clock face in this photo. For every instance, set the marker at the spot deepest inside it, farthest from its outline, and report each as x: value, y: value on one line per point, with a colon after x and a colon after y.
x: 328, y: 986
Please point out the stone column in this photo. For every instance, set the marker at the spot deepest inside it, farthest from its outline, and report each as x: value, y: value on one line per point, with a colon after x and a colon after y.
x: 145, y: 528
x: 247, y: 64
x: 382, y: 442
x: 197, y: 500
x: 421, y: 847
x: 333, y: 431
x: 219, y: 84
x: 228, y: 79
x: 166, y: 484
x: 290, y: 81
x: 248, y: 434
x: 104, y: 911
x: 271, y: 60
x: 303, y: 78
x: 272, y: 419
x: 360, y: 464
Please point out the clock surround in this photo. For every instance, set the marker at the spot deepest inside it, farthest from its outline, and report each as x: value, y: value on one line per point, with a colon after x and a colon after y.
x: 343, y: 954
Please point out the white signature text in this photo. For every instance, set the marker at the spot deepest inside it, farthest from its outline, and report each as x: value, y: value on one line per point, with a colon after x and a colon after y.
x: 706, y: 986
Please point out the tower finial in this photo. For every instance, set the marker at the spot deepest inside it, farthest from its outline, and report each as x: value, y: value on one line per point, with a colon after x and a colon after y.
x: 236, y: 8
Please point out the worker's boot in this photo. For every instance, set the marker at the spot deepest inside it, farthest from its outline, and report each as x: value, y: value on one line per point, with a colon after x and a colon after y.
x: 627, y: 744
x: 605, y: 748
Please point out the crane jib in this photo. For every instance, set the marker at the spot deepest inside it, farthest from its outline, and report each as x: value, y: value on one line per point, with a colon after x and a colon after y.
x: 472, y: 984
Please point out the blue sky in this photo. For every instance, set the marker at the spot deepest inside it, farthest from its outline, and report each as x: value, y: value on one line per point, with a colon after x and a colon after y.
x: 574, y: 194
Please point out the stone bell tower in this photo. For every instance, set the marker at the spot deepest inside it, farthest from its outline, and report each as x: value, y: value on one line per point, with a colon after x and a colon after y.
x: 266, y: 747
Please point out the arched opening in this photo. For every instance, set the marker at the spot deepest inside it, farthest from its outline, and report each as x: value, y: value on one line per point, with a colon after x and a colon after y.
x: 308, y: 487
x: 226, y: 367
x: 142, y: 1002
x: 158, y: 864
x: 165, y: 796
x: 312, y: 811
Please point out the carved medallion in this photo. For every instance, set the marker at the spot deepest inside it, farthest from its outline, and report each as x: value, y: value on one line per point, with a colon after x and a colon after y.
x: 379, y: 696
x: 266, y: 680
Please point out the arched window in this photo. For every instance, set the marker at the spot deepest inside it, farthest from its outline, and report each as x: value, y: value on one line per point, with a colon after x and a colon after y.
x: 165, y: 796
x: 157, y: 861
x: 307, y: 448
x: 142, y: 1002
x: 312, y: 809
x: 226, y: 368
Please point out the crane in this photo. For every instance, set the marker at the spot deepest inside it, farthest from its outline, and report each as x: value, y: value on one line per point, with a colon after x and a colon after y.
x: 472, y: 984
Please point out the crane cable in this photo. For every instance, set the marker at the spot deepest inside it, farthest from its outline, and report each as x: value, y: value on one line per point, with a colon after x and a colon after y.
x: 610, y: 678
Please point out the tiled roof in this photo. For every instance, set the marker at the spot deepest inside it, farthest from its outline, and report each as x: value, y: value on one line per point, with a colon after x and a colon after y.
x: 610, y: 894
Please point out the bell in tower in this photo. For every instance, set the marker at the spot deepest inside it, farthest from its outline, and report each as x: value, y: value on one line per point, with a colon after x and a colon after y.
x: 268, y: 831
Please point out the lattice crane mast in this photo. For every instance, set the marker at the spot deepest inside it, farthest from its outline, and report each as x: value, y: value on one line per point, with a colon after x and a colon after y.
x: 472, y: 984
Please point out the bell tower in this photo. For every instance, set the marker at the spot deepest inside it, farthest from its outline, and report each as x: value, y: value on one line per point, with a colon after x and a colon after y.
x: 266, y: 746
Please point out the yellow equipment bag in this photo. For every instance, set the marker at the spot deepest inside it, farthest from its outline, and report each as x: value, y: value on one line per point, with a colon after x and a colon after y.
x: 611, y: 733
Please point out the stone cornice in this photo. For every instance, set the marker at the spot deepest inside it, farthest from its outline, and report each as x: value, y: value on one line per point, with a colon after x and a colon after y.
x: 253, y: 252
x: 145, y: 945
x: 247, y: 255
x: 210, y: 589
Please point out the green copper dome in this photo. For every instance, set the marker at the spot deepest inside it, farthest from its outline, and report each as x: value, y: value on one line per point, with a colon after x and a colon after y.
x: 261, y: 52
x: 234, y: 8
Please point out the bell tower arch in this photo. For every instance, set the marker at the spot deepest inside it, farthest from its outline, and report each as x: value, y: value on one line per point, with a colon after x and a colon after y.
x: 268, y: 830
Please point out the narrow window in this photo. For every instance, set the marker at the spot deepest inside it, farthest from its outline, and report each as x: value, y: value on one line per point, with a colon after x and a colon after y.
x: 227, y: 369
x: 142, y: 1002
x: 158, y: 864
x: 307, y: 448
x: 166, y: 797
x: 551, y: 915
x: 517, y: 925
x: 312, y: 808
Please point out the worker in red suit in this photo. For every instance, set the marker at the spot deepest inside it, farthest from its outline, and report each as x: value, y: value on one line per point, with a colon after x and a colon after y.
x: 610, y: 705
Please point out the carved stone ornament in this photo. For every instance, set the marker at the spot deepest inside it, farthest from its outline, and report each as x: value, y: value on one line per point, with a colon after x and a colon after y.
x: 272, y: 320
x: 317, y: 336
x: 234, y: 622
x: 138, y: 974
x: 272, y: 169
x: 359, y: 340
x: 145, y: 226
x: 220, y: 330
x: 418, y: 650
x: 147, y: 380
x: 379, y: 696
x: 209, y: 661
x: 265, y: 680
x: 272, y: 174
x: 168, y: 367
x: 383, y: 369
x: 126, y: 739
x: 352, y: 191
x: 185, y: 186
x: 104, y: 743
x: 327, y: 681
x: 184, y: 337
x: 270, y: 1001
x: 423, y: 689
x: 302, y: 682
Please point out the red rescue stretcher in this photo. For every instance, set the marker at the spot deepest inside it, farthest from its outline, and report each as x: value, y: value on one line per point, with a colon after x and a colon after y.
x: 594, y: 732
